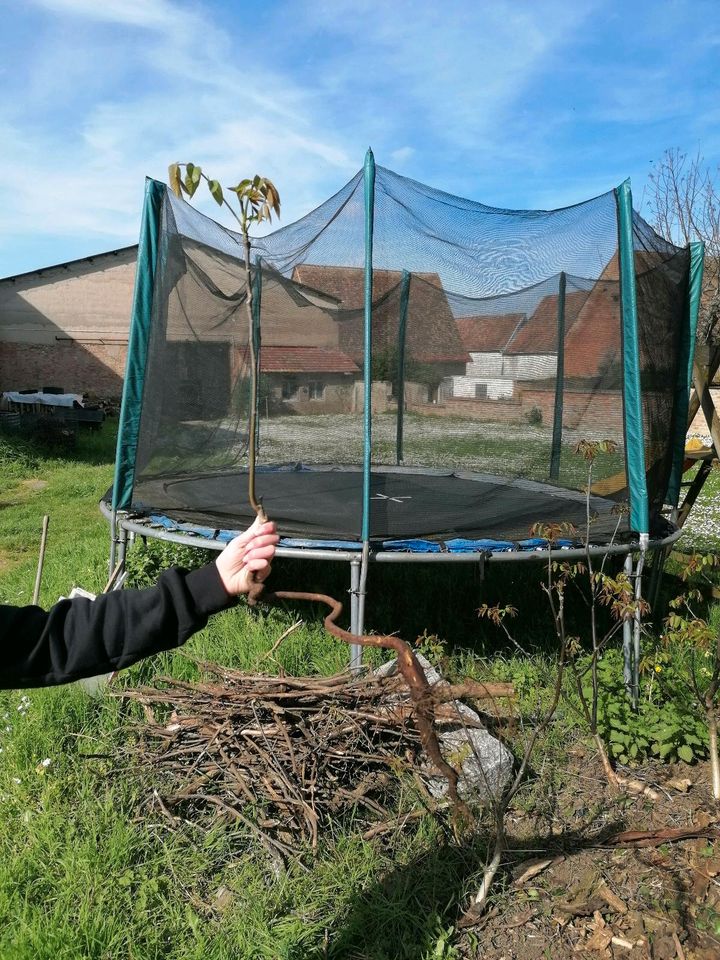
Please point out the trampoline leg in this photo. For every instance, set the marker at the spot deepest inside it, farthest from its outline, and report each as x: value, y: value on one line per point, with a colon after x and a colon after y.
x: 636, y: 630
x: 113, y: 542
x: 122, y: 545
x: 356, y: 648
x: 627, y: 639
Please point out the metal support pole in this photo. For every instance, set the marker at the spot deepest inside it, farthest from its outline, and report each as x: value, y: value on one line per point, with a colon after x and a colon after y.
x: 356, y: 648
x: 627, y: 639
x: 402, y: 333
x: 369, y: 191
x: 113, y: 541
x: 556, y: 450
x: 636, y: 629
x: 122, y: 545
x: 356, y: 653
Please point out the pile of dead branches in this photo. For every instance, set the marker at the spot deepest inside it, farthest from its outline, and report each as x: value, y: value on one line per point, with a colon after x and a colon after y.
x: 285, y: 755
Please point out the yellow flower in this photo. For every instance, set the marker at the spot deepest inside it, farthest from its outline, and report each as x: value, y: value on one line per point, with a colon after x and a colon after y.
x: 658, y: 668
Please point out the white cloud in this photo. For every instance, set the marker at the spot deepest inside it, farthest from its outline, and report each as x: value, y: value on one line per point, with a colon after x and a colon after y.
x: 153, y: 14
x: 402, y: 154
x: 113, y: 90
x: 453, y: 70
x: 84, y: 177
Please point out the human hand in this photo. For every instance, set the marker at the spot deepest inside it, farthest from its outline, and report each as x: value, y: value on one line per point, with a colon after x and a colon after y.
x: 247, y: 558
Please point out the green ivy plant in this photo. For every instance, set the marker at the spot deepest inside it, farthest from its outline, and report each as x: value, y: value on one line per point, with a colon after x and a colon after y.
x: 147, y: 560
x: 688, y: 631
x: 665, y: 726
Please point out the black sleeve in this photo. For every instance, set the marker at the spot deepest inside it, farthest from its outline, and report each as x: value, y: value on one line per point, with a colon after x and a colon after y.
x: 82, y: 638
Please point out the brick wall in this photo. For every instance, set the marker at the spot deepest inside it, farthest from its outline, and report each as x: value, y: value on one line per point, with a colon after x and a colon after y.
x: 598, y: 413
x: 68, y: 325
x: 77, y: 368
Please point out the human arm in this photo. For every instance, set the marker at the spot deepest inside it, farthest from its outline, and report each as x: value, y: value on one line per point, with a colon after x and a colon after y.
x: 79, y: 638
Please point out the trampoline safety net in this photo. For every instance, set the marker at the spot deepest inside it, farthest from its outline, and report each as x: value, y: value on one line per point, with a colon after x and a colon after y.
x: 499, y: 339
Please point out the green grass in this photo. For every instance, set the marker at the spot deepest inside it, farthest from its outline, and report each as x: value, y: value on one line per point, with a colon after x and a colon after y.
x: 505, y: 449
x: 702, y: 530
x: 86, y: 870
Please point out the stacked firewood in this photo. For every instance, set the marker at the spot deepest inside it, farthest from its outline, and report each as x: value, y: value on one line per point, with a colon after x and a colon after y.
x: 286, y: 756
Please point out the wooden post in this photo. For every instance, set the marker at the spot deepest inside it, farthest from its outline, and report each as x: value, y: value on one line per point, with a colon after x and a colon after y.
x: 702, y: 381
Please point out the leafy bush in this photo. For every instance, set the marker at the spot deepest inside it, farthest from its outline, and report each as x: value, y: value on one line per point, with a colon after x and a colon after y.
x: 666, y: 726
x: 534, y: 417
x: 146, y: 561
x: 384, y: 367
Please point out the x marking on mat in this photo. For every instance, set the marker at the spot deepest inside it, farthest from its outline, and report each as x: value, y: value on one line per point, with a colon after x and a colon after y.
x: 381, y: 496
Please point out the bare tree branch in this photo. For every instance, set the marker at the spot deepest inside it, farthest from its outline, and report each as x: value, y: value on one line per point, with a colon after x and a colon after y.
x: 682, y: 202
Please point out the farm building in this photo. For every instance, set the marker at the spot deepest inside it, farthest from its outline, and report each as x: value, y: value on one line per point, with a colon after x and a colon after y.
x: 67, y: 324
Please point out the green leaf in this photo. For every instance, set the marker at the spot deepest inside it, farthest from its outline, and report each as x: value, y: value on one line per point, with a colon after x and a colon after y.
x: 175, y: 179
x: 685, y: 753
x: 216, y: 191
x: 665, y: 749
x: 190, y: 185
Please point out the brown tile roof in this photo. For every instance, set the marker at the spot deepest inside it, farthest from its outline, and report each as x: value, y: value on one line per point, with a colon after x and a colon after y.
x: 488, y: 332
x: 538, y: 334
x: 305, y: 360
x: 432, y: 334
x: 594, y: 344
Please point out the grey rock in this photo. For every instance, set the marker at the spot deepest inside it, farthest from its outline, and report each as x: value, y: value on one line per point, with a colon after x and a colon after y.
x: 484, y: 763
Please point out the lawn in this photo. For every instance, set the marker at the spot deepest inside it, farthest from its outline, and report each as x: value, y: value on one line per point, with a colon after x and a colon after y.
x: 88, y: 870
x: 506, y: 449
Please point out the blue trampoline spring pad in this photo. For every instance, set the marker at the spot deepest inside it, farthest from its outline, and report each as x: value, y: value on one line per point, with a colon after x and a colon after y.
x: 324, y: 503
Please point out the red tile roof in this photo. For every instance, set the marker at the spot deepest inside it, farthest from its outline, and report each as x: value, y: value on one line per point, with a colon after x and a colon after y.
x: 305, y: 360
x: 432, y: 335
x: 593, y: 346
x: 594, y: 342
x: 489, y: 332
x: 538, y: 334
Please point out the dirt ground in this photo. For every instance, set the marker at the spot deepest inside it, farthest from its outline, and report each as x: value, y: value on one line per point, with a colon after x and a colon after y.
x: 577, y: 892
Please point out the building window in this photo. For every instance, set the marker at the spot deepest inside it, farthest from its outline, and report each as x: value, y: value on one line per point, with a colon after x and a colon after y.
x: 316, y: 390
x: 481, y: 391
x: 289, y: 389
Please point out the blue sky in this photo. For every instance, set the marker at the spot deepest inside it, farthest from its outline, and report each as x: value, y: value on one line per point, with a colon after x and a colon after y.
x: 518, y: 103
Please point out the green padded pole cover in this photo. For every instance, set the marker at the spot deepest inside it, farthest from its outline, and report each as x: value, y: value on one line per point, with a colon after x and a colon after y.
x: 685, y: 368
x: 141, y: 317
x: 556, y: 448
x: 632, y: 395
x: 257, y: 341
x: 402, y: 329
x: 369, y: 183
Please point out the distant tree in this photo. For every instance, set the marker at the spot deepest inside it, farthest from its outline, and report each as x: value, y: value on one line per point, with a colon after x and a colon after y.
x: 683, y: 200
x: 384, y: 366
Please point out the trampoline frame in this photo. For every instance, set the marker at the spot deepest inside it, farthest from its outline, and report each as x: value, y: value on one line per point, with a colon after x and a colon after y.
x: 127, y: 526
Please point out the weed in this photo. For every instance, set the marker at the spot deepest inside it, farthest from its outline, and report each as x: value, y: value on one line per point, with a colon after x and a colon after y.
x: 664, y: 726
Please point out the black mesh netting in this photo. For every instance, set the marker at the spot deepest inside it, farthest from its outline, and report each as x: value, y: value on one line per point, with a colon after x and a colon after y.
x: 497, y: 346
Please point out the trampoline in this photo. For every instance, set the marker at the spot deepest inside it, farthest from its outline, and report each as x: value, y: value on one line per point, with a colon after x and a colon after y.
x: 427, y: 367
x: 325, y: 503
